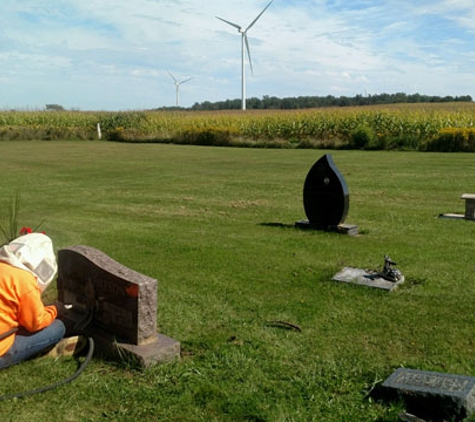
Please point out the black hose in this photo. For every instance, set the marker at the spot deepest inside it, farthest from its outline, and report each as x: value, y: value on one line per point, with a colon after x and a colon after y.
x: 60, y: 383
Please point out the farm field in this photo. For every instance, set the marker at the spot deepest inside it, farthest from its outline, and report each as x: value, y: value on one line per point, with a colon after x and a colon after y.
x: 215, y: 226
x: 424, y: 126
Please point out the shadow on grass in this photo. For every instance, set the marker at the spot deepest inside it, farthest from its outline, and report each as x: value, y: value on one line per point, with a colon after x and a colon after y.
x: 279, y: 225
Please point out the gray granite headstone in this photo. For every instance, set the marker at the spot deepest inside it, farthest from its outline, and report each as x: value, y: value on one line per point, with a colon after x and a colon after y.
x: 433, y: 395
x: 112, y: 303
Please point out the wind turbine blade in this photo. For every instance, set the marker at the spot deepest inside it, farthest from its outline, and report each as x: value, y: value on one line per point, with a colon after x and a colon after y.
x: 172, y: 76
x: 258, y: 16
x: 230, y: 23
x: 186, y: 80
x: 248, y: 52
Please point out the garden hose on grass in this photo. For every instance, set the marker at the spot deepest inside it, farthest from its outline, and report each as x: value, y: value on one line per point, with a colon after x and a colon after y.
x: 57, y: 384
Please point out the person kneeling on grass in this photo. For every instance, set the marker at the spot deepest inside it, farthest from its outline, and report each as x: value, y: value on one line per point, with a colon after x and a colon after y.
x: 27, y: 326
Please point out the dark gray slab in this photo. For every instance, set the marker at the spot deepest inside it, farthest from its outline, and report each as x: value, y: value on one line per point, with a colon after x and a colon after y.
x: 362, y: 277
x: 433, y: 395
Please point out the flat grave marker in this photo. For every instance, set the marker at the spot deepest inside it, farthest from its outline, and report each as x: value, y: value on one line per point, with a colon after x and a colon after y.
x: 433, y: 395
x: 388, y: 279
x: 365, y: 278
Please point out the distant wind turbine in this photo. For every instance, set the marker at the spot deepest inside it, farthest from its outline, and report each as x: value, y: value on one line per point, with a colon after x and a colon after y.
x: 244, y: 46
x: 177, y: 86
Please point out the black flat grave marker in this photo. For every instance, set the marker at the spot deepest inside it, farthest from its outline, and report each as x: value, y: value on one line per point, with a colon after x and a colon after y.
x: 432, y: 395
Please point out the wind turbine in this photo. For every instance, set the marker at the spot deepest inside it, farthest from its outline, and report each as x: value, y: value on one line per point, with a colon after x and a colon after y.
x: 177, y: 86
x: 244, y: 46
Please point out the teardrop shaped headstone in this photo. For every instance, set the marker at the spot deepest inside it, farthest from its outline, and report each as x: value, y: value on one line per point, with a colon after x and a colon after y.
x: 325, y: 194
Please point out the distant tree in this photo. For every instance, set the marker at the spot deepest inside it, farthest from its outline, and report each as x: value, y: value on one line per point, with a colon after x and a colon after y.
x: 414, y: 98
x: 304, y: 102
x: 271, y: 102
x: 344, y: 101
x: 54, y: 107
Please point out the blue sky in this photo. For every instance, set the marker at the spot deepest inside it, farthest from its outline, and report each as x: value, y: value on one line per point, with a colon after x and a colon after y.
x: 116, y: 54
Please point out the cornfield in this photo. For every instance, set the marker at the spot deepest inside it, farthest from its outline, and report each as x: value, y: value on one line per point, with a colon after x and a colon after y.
x: 403, y: 127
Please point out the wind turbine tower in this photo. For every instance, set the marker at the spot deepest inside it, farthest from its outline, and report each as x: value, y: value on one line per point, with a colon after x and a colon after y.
x: 177, y: 87
x: 244, y: 48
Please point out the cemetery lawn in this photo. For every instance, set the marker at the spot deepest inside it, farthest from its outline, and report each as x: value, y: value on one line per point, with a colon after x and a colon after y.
x: 215, y: 226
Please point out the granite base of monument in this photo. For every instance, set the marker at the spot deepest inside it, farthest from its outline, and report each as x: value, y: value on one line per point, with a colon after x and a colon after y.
x: 432, y: 395
x: 348, y: 229
x: 453, y: 216
x: 158, y: 349
x: 365, y: 278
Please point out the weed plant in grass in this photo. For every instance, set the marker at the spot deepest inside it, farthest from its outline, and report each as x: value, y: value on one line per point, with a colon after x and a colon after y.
x: 216, y: 227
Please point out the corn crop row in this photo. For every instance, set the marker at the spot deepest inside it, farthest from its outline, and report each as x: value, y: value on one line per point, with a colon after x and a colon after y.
x: 409, y: 127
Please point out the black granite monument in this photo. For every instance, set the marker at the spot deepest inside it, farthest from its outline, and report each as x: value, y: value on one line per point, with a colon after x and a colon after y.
x: 326, y: 199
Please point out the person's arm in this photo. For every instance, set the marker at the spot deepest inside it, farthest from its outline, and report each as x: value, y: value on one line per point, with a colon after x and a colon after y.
x: 32, y: 314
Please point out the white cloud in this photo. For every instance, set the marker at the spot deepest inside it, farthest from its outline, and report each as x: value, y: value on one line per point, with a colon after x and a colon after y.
x: 114, y: 54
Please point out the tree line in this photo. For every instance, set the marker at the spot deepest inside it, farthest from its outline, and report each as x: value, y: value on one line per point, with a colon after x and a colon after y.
x: 289, y: 103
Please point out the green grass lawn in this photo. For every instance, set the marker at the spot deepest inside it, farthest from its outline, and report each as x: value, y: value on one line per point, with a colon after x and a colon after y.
x: 215, y: 226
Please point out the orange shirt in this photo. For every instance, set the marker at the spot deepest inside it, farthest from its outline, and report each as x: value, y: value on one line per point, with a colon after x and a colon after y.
x: 20, y: 304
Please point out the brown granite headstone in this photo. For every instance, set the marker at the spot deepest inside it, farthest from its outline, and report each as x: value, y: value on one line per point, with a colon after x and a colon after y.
x: 114, y: 304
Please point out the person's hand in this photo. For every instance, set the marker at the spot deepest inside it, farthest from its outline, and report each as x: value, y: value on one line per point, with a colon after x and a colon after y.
x: 61, y: 309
